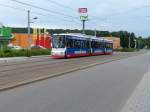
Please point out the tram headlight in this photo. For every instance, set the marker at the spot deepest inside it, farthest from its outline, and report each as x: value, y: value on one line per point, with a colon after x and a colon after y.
x: 58, y: 53
x: 62, y: 53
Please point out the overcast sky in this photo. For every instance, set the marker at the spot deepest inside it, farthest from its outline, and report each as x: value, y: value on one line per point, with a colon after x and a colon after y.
x: 112, y: 15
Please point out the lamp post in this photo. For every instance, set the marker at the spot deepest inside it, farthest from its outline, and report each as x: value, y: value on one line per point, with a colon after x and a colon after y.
x: 95, y: 32
x: 135, y: 43
x: 139, y: 43
x: 29, y: 30
x: 129, y: 41
x: 29, y: 33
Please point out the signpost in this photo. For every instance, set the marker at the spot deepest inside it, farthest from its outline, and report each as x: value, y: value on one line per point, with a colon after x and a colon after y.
x: 83, y: 17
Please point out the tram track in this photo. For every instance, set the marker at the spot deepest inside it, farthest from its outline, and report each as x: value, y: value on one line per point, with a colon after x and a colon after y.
x: 49, y: 63
x: 20, y: 74
x: 46, y: 63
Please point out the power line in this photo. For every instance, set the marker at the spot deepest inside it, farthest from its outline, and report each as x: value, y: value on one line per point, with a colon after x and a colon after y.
x: 57, y: 18
x: 65, y: 6
x: 61, y: 5
x: 47, y: 10
x: 41, y: 14
x: 37, y: 13
x: 68, y: 7
x: 19, y: 9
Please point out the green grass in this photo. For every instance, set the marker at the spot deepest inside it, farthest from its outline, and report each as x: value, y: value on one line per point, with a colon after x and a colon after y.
x: 127, y: 50
x: 23, y: 52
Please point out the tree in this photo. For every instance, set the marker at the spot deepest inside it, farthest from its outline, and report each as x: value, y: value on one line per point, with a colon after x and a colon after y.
x: 132, y: 40
x: 124, y: 39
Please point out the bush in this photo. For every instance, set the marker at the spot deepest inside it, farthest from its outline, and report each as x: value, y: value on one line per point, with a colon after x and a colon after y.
x: 35, y: 52
x: 129, y: 50
x: 23, y: 52
x: 126, y: 50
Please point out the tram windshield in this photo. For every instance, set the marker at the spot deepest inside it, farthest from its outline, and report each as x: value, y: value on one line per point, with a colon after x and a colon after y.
x: 58, y: 41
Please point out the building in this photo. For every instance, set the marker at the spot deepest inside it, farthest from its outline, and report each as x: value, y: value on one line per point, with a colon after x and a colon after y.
x: 21, y: 39
x: 116, y: 42
x: 5, y: 36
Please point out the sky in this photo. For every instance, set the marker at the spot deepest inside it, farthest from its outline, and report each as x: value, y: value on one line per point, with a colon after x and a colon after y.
x: 104, y: 15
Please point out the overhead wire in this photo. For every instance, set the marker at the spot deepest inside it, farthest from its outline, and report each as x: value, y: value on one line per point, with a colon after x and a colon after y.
x: 72, y: 9
x: 64, y: 6
x: 37, y: 13
x: 73, y: 18
x: 44, y: 9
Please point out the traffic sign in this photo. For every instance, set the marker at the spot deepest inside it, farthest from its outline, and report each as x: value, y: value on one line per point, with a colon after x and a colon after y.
x: 84, y: 17
x: 83, y: 10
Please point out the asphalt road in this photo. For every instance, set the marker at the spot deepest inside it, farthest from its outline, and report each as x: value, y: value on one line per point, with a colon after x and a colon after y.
x: 14, y: 73
x: 104, y: 88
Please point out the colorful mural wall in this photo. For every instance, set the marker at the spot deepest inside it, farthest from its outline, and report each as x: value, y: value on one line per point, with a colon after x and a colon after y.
x: 38, y: 38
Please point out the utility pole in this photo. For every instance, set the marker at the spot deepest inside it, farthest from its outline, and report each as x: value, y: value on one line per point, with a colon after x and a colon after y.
x: 135, y: 43
x: 139, y: 42
x: 129, y: 41
x: 95, y: 32
x: 83, y: 27
x: 29, y: 47
x: 29, y: 30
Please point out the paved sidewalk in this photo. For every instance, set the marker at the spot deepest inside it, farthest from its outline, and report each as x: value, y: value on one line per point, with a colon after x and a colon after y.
x: 140, y: 99
x: 14, y: 59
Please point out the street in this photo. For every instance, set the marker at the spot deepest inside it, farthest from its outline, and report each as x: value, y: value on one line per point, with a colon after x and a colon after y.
x: 24, y: 71
x: 103, y: 88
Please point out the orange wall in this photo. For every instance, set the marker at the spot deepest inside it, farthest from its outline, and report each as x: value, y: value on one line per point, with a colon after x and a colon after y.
x: 21, y: 39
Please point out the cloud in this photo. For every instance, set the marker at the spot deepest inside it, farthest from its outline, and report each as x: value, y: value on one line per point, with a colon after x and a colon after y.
x: 111, y: 14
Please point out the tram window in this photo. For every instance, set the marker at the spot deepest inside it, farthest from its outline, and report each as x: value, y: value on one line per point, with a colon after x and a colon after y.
x: 58, y: 41
x: 100, y: 45
x: 83, y: 44
x: 88, y: 44
x: 109, y: 45
x: 69, y: 43
x: 77, y: 44
x: 95, y: 44
x: 106, y: 45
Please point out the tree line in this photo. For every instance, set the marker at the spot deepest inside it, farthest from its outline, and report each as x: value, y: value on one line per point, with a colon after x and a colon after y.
x: 125, y: 36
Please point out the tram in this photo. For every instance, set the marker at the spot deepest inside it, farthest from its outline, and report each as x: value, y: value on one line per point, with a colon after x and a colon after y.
x: 77, y: 45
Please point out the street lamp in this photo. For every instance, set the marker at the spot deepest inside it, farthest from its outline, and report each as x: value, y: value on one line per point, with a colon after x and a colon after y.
x: 135, y: 43
x: 29, y: 32
x: 129, y: 44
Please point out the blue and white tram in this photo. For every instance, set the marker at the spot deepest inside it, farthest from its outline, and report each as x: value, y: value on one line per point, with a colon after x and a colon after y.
x: 76, y: 45
x: 108, y: 47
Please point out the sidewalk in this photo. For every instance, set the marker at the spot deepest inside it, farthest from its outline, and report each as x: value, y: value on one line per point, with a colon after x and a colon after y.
x: 14, y: 59
x: 140, y: 99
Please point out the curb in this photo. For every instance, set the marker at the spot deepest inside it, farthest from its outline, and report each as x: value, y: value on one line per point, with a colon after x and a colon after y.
x: 23, y: 83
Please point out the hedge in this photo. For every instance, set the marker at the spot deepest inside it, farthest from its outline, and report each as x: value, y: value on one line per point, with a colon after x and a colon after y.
x: 23, y: 52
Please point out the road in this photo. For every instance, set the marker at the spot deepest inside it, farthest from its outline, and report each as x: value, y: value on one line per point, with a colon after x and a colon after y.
x: 30, y: 70
x: 103, y: 88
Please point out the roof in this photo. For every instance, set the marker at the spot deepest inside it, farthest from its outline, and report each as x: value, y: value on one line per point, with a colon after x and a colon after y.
x: 74, y: 34
x: 85, y: 36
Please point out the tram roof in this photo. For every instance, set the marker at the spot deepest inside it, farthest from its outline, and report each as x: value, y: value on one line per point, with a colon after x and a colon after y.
x: 86, y: 36
x: 74, y: 34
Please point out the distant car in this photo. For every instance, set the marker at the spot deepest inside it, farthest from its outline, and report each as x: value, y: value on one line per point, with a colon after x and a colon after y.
x: 14, y: 47
x: 38, y: 47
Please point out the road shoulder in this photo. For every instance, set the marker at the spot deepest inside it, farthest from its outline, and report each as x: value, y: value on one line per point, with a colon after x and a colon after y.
x: 140, y: 99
